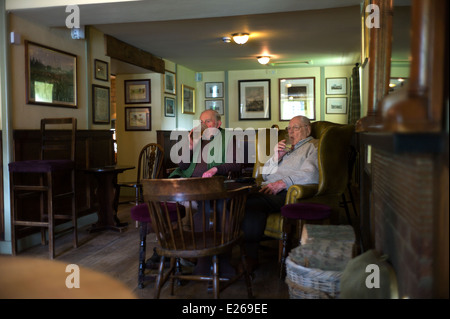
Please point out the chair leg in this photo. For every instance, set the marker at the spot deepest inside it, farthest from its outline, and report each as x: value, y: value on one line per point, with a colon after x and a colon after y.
x: 347, y: 213
x: 74, y: 213
x: 215, y: 276
x: 248, y: 281
x: 142, y: 251
x: 160, y: 280
x: 351, y: 199
x: 284, y: 239
x: 51, y: 218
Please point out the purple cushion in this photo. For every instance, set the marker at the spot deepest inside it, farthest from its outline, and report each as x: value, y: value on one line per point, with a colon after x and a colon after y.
x: 40, y: 166
x: 141, y: 213
x: 306, y: 211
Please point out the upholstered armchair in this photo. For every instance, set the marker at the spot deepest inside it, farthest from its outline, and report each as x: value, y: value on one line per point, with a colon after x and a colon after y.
x: 333, y: 142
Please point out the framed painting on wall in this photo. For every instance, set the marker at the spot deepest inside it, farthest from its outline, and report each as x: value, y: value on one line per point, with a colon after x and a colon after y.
x: 169, y: 107
x: 138, y: 119
x: 137, y: 91
x: 170, y: 82
x: 213, y: 90
x: 101, y: 70
x: 336, y: 86
x: 100, y: 104
x: 187, y: 99
x: 254, y: 99
x: 216, y: 105
x: 336, y: 105
x: 51, y: 76
x: 297, y: 97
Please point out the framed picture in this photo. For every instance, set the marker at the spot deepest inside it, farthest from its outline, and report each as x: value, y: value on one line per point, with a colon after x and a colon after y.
x: 216, y: 105
x: 170, y: 82
x: 169, y: 106
x: 137, y: 91
x: 100, y: 104
x: 187, y: 99
x: 213, y: 90
x: 138, y: 118
x: 51, y: 76
x: 336, y: 86
x: 254, y: 99
x: 297, y: 97
x: 101, y: 70
x: 336, y: 105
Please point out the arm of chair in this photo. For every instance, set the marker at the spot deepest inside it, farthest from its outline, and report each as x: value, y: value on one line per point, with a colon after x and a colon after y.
x: 296, y: 192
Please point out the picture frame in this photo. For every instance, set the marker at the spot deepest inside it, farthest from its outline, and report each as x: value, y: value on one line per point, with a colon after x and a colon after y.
x: 254, y: 99
x: 170, y: 82
x: 101, y: 70
x: 138, y: 118
x: 137, y: 91
x: 297, y: 97
x: 169, y: 106
x: 51, y: 76
x: 216, y: 105
x: 100, y: 104
x: 213, y: 90
x: 336, y: 86
x: 187, y: 99
x: 336, y: 105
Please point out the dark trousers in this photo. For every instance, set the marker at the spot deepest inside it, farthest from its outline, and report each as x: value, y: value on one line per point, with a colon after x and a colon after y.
x: 257, y: 208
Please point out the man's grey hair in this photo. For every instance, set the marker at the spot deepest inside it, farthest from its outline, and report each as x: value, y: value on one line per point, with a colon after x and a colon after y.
x: 216, y: 114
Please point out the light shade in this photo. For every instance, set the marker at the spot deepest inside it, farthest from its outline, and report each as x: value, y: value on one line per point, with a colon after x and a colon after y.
x: 263, y: 59
x: 240, y: 38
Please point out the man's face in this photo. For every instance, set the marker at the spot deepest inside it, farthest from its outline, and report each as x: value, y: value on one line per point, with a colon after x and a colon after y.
x: 298, y: 131
x: 209, y: 119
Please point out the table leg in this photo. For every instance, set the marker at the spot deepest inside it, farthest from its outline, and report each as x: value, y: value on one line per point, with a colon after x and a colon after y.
x: 107, y: 210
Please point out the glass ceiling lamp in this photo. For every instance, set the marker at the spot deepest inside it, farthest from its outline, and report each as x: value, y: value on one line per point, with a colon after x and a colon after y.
x: 263, y: 59
x: 240, y: 38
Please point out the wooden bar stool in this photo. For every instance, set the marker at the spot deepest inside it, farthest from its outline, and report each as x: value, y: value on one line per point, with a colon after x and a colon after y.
x: 300, y: 213
x: 52, y: 177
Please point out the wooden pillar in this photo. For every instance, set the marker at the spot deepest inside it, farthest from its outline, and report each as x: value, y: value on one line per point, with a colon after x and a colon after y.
x: 380, y: 48
x: 419, y: 106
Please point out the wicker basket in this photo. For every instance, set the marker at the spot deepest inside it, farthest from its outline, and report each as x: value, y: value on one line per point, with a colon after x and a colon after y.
x: 311, y: 283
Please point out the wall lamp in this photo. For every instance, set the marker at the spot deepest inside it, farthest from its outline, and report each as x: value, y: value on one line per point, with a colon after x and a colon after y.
x: 240, y: 38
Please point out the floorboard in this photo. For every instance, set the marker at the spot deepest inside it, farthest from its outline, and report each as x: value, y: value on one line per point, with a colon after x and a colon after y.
x: 116, y: 254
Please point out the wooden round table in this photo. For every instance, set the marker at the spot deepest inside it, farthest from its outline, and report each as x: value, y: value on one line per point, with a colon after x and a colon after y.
x: 33, y: 278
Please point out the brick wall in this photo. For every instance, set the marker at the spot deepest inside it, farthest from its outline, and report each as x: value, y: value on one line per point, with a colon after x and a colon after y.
x: 403, y: 217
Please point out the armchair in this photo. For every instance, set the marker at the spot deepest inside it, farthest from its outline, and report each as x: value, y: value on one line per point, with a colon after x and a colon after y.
x: 333, y: 142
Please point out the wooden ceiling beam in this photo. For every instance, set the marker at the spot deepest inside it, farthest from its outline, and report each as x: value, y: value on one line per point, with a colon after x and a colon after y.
x: 124, y: 52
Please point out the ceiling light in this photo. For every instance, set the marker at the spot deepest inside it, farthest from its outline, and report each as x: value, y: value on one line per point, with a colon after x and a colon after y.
x: 226, y: 39
x: 263, y: 59
x: 240, y: 38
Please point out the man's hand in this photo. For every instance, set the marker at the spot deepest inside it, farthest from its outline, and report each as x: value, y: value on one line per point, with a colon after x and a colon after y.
x: 273, y: 188
x: 210, y: 173
x: 280, y: 150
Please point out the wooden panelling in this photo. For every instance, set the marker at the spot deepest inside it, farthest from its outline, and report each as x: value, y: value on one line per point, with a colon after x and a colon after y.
x: 93, y: 148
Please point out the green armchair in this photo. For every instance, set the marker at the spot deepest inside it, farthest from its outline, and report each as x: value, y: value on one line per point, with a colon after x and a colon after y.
x: 333, y: 142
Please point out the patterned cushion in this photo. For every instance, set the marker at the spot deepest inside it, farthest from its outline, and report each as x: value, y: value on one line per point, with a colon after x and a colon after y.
x: 306, y: 211
x: 141, y: 213
x: 40, y: 166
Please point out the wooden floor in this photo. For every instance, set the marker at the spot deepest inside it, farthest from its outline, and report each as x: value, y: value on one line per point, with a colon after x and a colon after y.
x: 116, y: 254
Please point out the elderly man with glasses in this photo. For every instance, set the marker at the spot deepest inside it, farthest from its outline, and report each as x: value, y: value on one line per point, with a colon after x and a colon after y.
x: 294, y: 162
